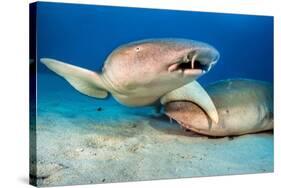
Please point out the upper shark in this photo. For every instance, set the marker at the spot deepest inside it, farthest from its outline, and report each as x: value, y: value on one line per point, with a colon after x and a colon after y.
x: 141, y: 72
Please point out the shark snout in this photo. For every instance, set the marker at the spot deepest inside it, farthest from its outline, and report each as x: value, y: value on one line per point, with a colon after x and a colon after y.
x: 204, y: 58
x: 197, y: 61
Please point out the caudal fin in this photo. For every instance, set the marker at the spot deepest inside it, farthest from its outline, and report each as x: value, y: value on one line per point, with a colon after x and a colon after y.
x: 83, y: 80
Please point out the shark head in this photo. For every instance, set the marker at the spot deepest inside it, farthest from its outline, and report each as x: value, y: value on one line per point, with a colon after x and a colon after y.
x: 140, y: 73
x: 158, y: 64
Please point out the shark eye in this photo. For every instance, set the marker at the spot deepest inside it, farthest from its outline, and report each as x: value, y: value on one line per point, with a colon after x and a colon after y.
x: 137, y: 49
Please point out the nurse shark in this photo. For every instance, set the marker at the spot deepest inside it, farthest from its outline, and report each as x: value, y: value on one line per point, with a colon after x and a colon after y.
x: 140, y: 73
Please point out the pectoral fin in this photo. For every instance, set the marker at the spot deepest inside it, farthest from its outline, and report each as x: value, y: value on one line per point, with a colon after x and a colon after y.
x: 195, y: 93
x: 83, y: 80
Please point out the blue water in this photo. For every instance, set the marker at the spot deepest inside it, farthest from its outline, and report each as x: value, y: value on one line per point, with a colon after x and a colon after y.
x: 85, y: 34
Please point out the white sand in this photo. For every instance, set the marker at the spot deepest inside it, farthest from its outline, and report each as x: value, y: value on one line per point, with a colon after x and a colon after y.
x: 79, y: 144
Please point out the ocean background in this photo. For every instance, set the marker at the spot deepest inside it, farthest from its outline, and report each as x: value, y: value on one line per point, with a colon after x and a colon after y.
x: 85, y: 34
x: 72, y: 129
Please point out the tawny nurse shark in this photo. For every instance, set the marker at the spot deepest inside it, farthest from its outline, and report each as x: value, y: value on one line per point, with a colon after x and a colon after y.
x: 244, y: 106
x: 140, y: 73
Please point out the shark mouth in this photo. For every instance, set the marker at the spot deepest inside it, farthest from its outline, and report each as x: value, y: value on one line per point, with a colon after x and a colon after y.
x: 197, y: 64
x: 190, y: 67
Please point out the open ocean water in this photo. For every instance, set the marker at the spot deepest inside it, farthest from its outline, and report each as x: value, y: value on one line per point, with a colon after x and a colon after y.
x: 81, y: 140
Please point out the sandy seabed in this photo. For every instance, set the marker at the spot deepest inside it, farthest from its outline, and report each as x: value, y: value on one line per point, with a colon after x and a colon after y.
x: 79, y: 140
